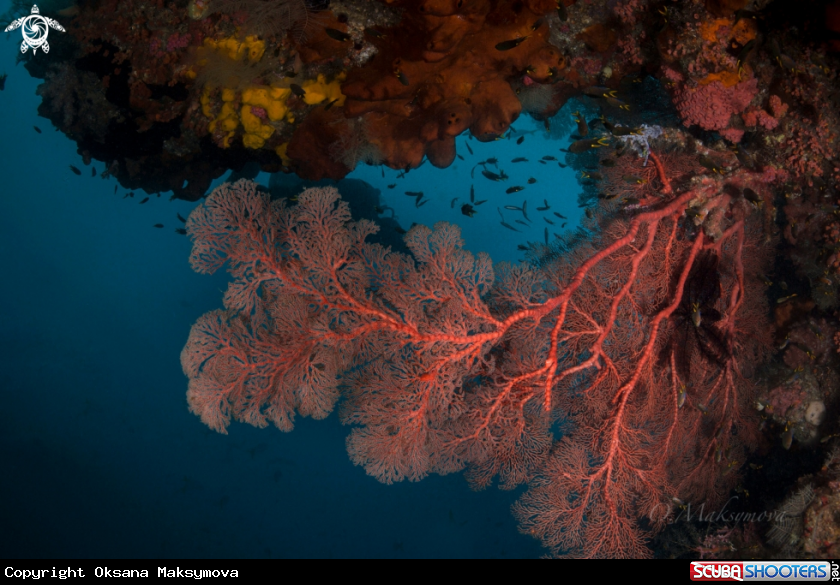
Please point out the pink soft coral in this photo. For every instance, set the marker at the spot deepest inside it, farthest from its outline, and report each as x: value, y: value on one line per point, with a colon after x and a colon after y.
x: 710, y: 106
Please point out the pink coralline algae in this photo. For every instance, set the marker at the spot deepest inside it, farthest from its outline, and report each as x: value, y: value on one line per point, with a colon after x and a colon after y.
x: 711, y: 106
x: 758, y: 117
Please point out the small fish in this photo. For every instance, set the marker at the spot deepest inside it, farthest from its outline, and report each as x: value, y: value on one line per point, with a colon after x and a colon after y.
x: 592, y: 175
x: 38, y: 130
x: 75, y: 170
x: 531, y: 181
x: 710, y: 164
x: 158, y: 225
x: 546, y: 236
x: 144, y: 200
x: 525, y: 210
x: 181, y: 231
x: 783, y: 60
x: 583, y: 129
x: 3, y: 78
x: 561, y: 11
x: 401, y: 77
x: 377, y: 34
x: 633, y: 180
x: 511, y: 44
x: 561, y: 165
x: 392, y: 185
x: 546, y: 208
x: 510, y: 227
x: 459, y: 157
x: 538, y: 23
x: 584, y: 145
x: 115, y: 190
x: 745, y: 51
x: 181, y: 218
x: 480, y: 202
x: 542, y: 162
x: 521, y: 222
x: 519, y: 159
x: 513, y: 208
x: 337, y: 35
x: 548, y: 221
x: 297, y: 90
x: 522, y: 247
x: 597, y: 91
x: 781, y: 300
x: 681, y: 393
x: 330, y: 105
x: 468, y: 147
x: 452, y: 203
x: 492, y: 176
x: 744, y: 157
x: 519, y: 140
x: 419, y: 203
x: 468, y: 210
x: 560, y: 215
x: 472, y: 193
x: 752, y: 197
x: 617, y: 103
x: 787, y: 436
x: 548, y: 157
x: 414, y: 193
x: 515, y: 189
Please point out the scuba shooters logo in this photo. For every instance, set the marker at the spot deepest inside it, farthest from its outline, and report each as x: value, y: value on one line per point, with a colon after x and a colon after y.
x: 35, y: 29
x: 763, y: 571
